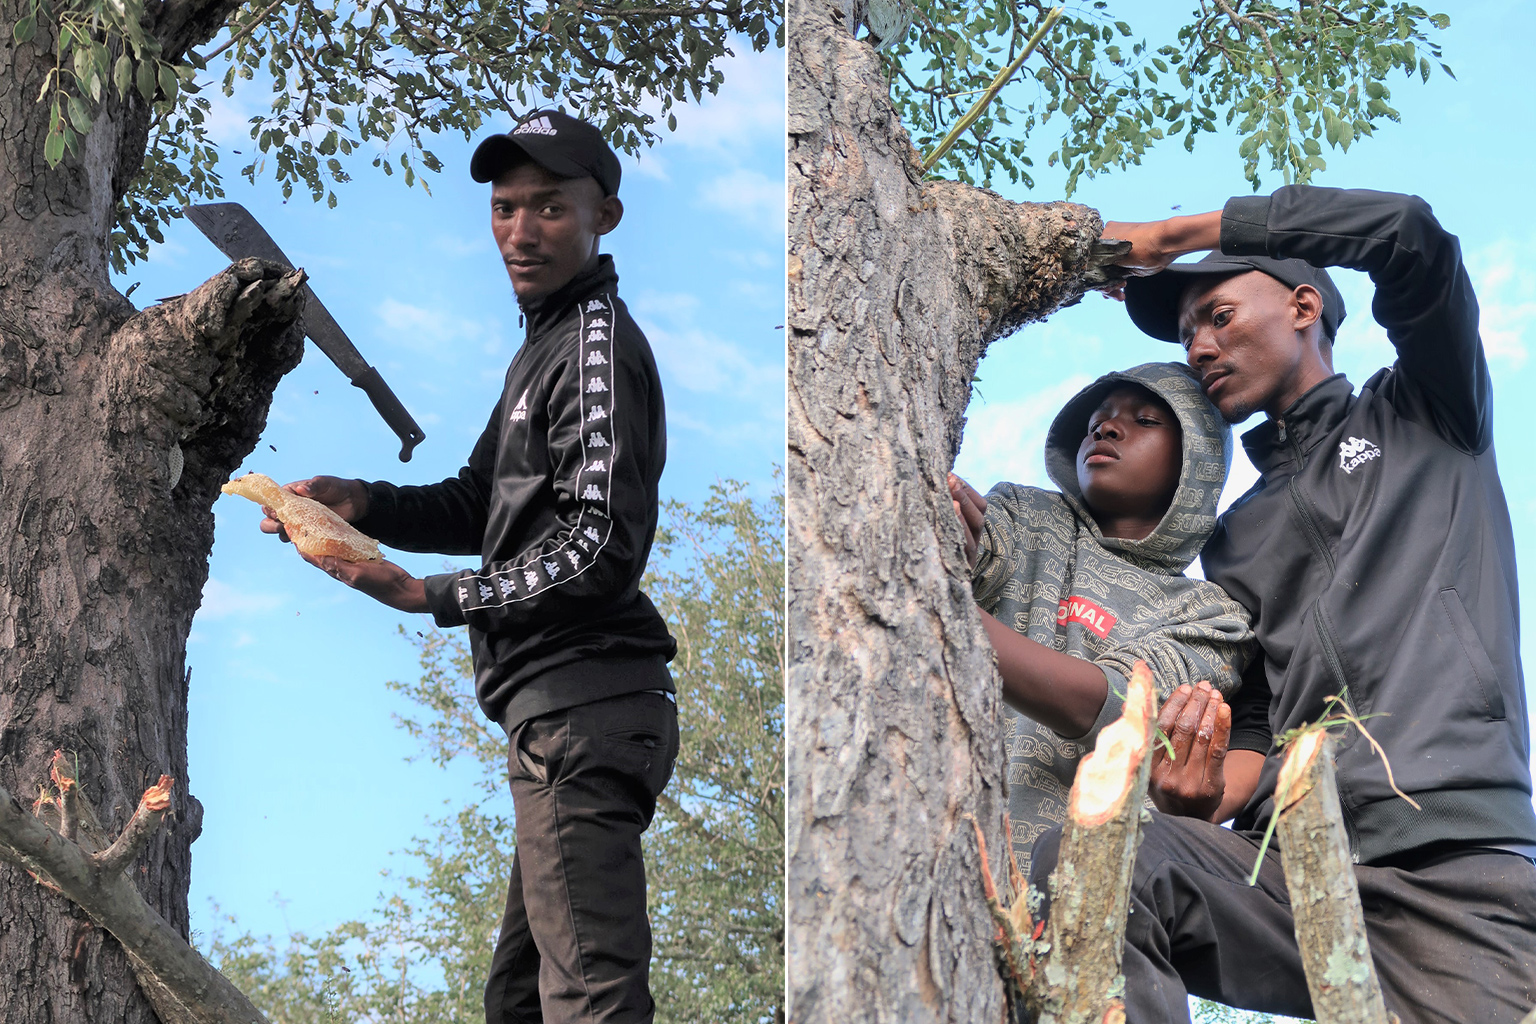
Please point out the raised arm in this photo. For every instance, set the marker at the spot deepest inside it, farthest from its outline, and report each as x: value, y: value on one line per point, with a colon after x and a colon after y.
x: 1424, y: 297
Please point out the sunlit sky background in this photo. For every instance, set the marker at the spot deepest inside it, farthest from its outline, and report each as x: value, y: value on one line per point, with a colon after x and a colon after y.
x: 293, y: 750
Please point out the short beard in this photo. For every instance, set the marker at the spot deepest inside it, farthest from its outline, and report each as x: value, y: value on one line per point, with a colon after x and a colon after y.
x: 1240, y: 412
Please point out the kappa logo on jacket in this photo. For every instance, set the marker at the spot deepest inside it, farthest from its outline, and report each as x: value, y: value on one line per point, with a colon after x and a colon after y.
x: 1356, y: 452
x: 520, y: 410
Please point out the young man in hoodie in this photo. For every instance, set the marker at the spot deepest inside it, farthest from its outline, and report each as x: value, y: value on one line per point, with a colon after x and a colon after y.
x: 1076, y: 586
x: 1377, y: 558
x: 559, y: 499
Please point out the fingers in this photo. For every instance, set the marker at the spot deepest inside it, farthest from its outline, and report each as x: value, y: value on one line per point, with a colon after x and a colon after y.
x: 270, y: 524
x: 1172, y: 708
x: 960, y: 490
x: 1182, y: 724
x: 1221, y: 735
x: 1204, y: 729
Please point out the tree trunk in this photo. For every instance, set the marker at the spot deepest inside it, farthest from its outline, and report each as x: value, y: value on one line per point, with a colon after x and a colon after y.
x: 104, y: 561
x: 896, y: 286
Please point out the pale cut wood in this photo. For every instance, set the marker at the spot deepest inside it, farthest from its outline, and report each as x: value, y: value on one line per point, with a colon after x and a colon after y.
x: 182, y: 987
x: 1079, y: 980
x: 1325, y: 901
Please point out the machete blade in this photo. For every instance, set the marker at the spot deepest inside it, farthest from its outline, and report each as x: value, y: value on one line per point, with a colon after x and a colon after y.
x: 237, y: 234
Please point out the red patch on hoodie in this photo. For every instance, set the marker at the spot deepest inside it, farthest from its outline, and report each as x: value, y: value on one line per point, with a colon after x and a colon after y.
x: 1080, y: 609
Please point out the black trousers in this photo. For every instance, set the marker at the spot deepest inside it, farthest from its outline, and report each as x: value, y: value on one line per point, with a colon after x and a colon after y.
x: 575, y: 941
x: 1454, y: 940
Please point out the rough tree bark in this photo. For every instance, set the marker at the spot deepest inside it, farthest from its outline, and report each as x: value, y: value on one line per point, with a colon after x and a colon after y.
x: 1325, y: 901
x: 103, y: 561
x: 896, y: 287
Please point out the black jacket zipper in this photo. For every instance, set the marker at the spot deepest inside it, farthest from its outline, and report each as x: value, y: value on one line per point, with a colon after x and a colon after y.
x: 1319, y: 619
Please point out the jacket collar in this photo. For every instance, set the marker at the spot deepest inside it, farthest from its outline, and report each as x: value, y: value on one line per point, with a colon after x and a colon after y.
x: 1302, y: 427
x: 543, y: 313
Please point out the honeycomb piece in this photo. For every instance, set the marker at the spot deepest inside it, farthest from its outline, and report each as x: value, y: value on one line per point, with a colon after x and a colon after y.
x: 314, y: 529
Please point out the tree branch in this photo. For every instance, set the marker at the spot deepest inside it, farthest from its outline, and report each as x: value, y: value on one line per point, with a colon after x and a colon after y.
x: 1091, y: 885
x: 181, y: 985
x: 152, y: 809
x: 1325, y: 901
x: 198, y: 372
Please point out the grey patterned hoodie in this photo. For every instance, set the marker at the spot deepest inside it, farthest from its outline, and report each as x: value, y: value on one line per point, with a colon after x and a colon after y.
x: 1046, y: 571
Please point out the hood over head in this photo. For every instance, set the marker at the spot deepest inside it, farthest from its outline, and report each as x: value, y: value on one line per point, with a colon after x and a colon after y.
x: 1207, y: 442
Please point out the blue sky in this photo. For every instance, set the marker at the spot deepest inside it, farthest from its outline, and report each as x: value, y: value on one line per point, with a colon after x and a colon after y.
x: 293, y: 750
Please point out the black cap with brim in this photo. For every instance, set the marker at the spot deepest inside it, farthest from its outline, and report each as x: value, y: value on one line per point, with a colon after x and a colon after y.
x: 1153, y: 302
x: 561, y: 144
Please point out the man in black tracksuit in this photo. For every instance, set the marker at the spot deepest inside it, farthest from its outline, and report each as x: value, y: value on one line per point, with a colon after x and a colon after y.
x: 559, y: 500
x: 1377, y: 559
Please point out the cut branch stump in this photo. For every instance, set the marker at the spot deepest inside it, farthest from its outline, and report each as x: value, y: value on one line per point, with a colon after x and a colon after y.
x: 1325, y: 900
x: 1078, y: 981
x: 182, y: 987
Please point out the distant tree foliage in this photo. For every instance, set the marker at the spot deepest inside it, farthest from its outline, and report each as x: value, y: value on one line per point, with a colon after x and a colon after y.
x: 380, y: 76
x: 714, y: 854
x: 1288, y: 76
x: 718, y: 843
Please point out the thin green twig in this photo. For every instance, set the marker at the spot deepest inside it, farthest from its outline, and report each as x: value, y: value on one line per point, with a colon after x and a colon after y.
x: 992, y: 90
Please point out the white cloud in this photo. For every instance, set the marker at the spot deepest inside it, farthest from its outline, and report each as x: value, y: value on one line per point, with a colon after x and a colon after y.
x: 434, y: 330
x: 748, y: 110
x: 1506, y: 293
x: 750, y: 196
x: 1006, y: 440
x: 229, y: 121
x: 700, y: 361
x: 220, y: 600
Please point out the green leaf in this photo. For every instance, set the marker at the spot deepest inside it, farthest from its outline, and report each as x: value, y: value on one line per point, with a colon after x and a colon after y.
x: 169, y: 83
x: 122, y: 75
x: 144, y: 76
x: 25, y: 29
x: 53, y: 146
x: 79, y: 115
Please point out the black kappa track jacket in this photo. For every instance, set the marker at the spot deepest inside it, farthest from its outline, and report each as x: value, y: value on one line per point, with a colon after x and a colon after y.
x: 560, y: 500
x: 1376, y: 553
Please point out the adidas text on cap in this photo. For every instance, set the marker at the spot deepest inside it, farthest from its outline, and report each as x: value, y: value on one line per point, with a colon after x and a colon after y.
x: 561, y: 144
x: 1153, y: 302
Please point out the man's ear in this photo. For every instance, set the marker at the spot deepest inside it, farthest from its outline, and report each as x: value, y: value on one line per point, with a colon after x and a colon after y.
x: 1308, y: 306
x: 609, y: 213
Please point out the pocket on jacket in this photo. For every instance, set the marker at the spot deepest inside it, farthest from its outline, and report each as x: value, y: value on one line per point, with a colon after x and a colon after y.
x: 1478, y: 662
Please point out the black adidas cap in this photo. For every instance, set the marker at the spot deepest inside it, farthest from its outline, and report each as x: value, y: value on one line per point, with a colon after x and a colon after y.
x: 1153, y: 302
x: 561, y: 144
